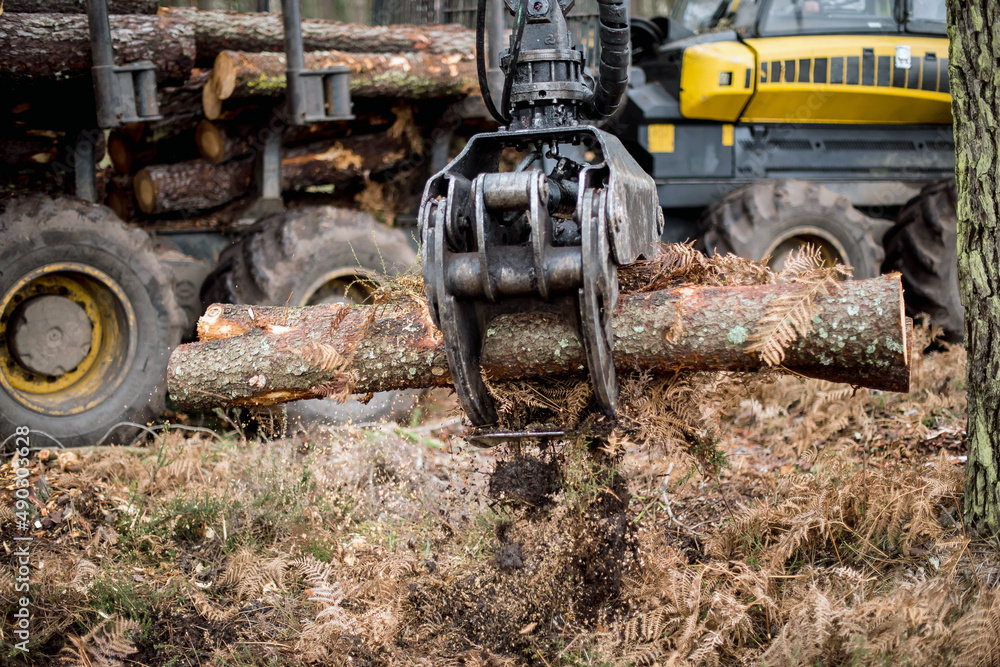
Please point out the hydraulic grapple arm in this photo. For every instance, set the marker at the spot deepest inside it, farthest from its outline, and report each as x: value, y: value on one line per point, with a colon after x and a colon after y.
x: 548, y: 235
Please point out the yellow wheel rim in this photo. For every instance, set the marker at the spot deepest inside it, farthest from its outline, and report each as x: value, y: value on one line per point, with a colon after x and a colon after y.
x: 108, y: 354
x: 353, y: 285
x: 830, y: 249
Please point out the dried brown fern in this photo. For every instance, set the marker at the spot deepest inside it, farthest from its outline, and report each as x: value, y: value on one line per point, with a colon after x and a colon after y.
x: 790, y: 315
x: 886, y: 509
x: 680, y: 263
x: 690, y: 616
x: 106, y: 645
x: 210, y: 611
x: 313, y: 571
x: 321, y: 356
x: 250, y: 575
x: 519, y: 403
x: 977, y: 634
x: 83, y: 574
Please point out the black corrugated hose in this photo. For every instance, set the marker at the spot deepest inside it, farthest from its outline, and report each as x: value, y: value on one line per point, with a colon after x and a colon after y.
x: 484, y: 85
x: 616, y: 53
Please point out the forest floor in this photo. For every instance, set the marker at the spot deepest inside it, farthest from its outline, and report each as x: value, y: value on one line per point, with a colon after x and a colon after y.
x: 824, y: 530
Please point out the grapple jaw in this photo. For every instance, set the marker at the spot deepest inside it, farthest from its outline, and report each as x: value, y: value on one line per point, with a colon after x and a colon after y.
x: 534, y: 240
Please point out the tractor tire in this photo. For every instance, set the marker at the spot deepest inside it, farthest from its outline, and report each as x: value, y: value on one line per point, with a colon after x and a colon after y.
x: 773, y: 218
x: 923, y: 247
x: 310, y: 256
x: 87, y: 322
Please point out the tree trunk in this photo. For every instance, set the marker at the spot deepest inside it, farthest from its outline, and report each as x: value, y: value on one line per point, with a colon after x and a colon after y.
x: 57, y: 46
x: 410, y: 75
x: 78, y: 6
x: 217, y: 31
x: 252, y: 355
x: 191, y: 186
x: 974, y: 89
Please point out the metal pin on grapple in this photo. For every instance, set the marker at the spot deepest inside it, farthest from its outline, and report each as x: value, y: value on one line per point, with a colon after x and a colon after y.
x: 549, y: 234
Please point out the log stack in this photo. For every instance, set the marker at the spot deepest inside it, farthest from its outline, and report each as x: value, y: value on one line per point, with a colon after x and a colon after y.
x: 221, y: 79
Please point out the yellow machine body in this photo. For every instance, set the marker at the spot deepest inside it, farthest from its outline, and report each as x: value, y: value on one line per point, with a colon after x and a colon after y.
x: 717, y: 81
x: 827, y: 79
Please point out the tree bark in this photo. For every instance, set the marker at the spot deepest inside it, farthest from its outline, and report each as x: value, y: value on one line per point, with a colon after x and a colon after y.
x: 191, y: 186
x: 217, y: 31
x: 253, y: 355
x: 974, y: 89
x: 411, y: 75
x: 57, y: 46
x: 78, y: 6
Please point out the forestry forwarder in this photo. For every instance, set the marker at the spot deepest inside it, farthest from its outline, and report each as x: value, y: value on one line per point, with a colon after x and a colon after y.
x: 772, y: 123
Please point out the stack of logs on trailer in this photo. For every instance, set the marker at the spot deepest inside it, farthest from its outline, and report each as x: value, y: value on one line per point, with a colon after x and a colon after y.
x: 221, y: 85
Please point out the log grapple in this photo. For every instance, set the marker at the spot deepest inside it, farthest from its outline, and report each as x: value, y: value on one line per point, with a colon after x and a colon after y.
x: 548, y: 234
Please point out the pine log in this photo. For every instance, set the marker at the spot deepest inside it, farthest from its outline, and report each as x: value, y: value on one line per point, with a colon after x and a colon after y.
x: 132, y: 151
x: 78, y: 6
x: 256, y: 356
x: 218, y: 142
x: 120, y: 198
x: 410, y: 75
x: 191, y: 186
x: 57, y: 46
x: 217, y: 31
x: 178, y: 101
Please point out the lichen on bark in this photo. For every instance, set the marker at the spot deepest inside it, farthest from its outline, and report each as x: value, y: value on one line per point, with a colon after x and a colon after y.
x: 975, y: 88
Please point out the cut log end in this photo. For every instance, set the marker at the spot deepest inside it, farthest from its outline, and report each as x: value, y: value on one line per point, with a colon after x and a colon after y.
x: 121, y: 156
x: 211, y: 143
x: 211, y: 105
x: 120, y: 202
x: 145, y: 192
x: 906, y: 325
x: 224, y: 75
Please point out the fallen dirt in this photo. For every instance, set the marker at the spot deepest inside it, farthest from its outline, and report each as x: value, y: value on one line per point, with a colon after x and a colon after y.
x: 825, y: 531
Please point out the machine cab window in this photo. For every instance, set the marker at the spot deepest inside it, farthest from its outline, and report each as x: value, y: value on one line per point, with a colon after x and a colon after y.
x: 773, y: 18
x: 795, y: 17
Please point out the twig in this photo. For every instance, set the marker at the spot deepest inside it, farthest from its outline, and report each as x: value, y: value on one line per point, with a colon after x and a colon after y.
x: 665, y: 501
x: 568, y: 646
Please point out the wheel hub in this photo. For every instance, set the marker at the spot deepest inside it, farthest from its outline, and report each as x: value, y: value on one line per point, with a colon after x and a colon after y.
x: 67, y: 338
x: 51, y: 335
